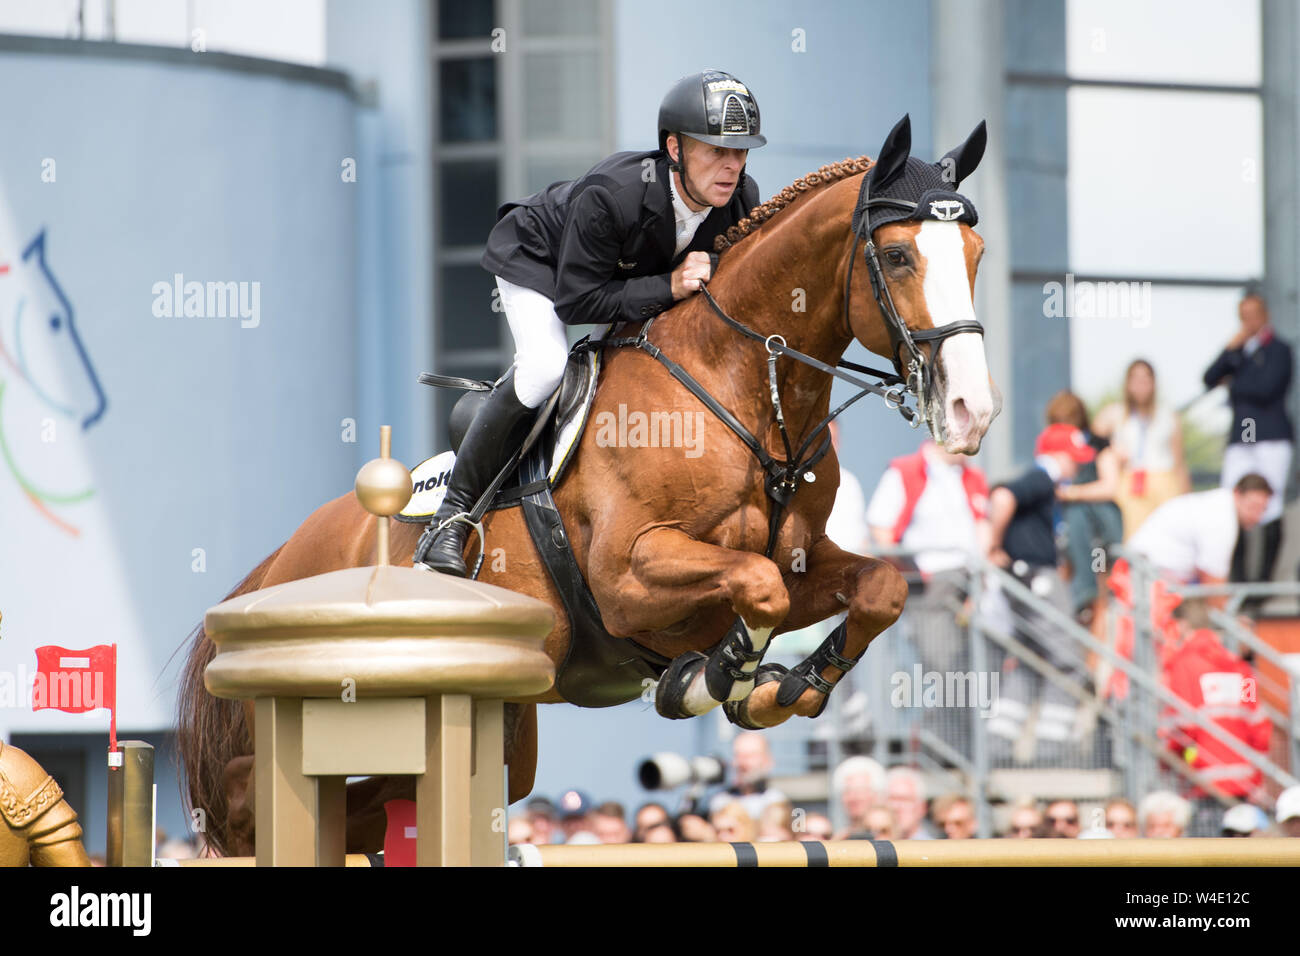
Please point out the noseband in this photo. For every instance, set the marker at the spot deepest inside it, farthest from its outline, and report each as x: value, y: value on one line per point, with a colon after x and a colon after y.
x: 910, y: 365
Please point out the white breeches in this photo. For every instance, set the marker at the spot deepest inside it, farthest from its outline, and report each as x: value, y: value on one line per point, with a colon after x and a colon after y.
x: 541, y: 344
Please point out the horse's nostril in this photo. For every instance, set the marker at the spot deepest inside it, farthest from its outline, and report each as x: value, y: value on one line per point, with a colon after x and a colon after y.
x: 959, y: 415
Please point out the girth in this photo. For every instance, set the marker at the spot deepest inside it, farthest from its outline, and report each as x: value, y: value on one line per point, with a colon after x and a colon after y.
x: 598, y: 670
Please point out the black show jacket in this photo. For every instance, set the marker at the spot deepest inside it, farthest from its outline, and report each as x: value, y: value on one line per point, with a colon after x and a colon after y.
x: 601, y: 247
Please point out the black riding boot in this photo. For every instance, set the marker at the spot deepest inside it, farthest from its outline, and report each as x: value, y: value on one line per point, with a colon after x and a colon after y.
x: 493, y: 436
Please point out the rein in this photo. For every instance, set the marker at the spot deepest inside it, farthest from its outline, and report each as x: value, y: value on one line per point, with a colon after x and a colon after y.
x: 782, y: 479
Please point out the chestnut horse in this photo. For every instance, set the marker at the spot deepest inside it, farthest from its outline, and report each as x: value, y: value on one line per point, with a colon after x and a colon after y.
x: 672, y: 541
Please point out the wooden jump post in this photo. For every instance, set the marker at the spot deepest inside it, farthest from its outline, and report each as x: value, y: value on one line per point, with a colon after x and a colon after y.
x: 380, y: 670
x: 935, y: 853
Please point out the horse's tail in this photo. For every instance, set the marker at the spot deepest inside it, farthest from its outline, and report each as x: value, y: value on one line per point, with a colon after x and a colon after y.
x: 211, y: 731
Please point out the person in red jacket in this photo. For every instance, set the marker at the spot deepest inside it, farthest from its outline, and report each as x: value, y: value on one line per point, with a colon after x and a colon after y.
x: 934, y: 505
x: 1220, y: 686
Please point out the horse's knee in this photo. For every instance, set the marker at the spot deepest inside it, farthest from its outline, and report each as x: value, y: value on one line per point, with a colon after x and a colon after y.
x: 880, y: 596
x: 761, y: 593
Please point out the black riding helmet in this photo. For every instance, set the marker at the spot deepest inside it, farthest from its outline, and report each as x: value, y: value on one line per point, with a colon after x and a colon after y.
x: 713, y: 107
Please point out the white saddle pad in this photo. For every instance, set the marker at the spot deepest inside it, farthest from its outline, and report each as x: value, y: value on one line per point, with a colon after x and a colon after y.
x: 429, y: 479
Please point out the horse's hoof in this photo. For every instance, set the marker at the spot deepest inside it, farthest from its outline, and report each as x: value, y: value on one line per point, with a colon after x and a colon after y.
x: 737, y: 711
x: 670, y: 695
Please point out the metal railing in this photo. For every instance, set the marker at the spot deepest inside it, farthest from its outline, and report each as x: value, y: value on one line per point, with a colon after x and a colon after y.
x: 1226, y: 622
x: 1125, y: 736
x: 1142, y: 670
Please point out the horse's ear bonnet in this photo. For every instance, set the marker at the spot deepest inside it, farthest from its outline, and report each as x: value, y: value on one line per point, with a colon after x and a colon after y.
x: 932, y: 187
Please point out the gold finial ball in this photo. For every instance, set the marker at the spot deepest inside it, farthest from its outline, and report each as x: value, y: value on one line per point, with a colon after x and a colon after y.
x: 383, y: 486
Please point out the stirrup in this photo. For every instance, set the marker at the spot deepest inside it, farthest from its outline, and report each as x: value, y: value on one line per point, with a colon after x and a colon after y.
x: 807, y: 674
x: 727, y: 660
x: 737, y: 711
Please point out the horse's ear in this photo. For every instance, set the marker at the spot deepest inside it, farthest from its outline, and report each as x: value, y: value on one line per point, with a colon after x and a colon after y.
x: 893, y: 154
x: 961, y: 162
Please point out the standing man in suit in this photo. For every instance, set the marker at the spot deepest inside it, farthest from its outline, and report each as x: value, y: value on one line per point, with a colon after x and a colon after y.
x: 1256, y: 366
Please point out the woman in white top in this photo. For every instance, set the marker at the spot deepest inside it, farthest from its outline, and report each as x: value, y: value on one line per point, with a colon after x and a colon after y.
x: 1148, y: 439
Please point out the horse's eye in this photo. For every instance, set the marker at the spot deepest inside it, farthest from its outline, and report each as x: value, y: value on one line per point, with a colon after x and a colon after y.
x: 896, y: 258
x: 55, y: 323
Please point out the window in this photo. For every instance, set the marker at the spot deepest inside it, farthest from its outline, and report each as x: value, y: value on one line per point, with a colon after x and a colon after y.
x: 468, y: 100
x: 466, y: 298
x: 563, y: 96
x: 1150, y: 194
x: 545, y: 18
x: 1166, y: 223
x: 1192, y: 41
x: 469, y: 201
x: 510, y: 121
x: 465, y: 19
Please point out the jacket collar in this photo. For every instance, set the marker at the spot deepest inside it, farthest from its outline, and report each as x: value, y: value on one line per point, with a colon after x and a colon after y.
x: 657, y: 200
x: 657, y: 207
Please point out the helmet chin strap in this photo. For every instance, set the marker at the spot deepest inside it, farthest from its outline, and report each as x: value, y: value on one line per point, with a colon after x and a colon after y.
x: 680, y: 166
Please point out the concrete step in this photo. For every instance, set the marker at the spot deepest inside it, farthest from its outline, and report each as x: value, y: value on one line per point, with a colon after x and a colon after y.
x: 1052, y: 783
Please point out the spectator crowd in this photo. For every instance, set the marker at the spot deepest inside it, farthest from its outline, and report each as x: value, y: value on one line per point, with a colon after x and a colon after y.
x: 874, y: 804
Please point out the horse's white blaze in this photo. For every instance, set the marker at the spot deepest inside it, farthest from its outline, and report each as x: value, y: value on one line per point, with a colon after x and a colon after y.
x: 946, y: 287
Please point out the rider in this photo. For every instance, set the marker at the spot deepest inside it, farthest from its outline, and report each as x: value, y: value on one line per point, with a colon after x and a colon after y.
x: 621, y: 244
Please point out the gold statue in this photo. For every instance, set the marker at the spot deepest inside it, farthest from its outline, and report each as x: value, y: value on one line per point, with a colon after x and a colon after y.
x: 37, y: 826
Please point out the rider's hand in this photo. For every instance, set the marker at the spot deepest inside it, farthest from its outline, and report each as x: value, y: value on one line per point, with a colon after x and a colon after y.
x: 686, y: 277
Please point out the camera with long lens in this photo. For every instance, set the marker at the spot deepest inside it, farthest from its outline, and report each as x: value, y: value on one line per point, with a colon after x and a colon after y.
x: 667, y: 771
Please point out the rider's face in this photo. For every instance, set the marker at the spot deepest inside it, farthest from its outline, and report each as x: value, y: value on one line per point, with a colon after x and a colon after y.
x: 713, y: 172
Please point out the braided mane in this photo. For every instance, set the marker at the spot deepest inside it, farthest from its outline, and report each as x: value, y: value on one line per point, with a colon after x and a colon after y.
x: 831, y: 172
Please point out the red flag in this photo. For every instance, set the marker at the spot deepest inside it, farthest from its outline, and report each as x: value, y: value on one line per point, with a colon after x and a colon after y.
x: 78, y: 681
x: 399, y: 838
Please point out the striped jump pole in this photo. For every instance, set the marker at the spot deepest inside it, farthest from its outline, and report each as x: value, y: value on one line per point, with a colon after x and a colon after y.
x: 222, y: 862
x: 938, y: 853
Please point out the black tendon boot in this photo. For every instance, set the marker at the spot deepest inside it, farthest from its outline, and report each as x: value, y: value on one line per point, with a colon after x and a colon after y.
x: 493, y: 436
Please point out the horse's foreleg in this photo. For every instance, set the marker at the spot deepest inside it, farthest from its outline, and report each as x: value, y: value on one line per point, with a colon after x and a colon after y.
x: 673, y: 574
x: 873, y: 593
